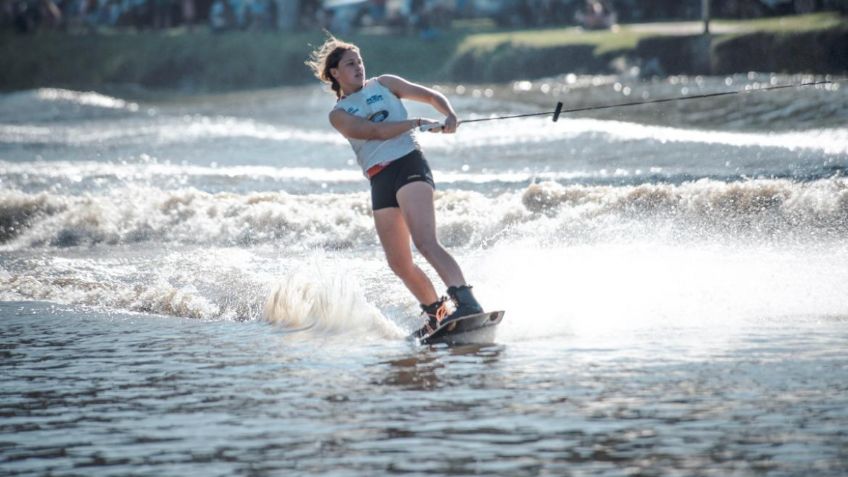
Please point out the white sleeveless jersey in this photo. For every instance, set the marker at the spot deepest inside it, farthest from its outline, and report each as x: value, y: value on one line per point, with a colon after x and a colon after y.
x: 377, y: 103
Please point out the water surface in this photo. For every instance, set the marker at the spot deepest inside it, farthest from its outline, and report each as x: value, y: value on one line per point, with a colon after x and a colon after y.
x: 193, y: 286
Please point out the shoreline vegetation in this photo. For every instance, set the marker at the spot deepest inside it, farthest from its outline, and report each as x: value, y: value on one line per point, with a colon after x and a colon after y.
x: 203, y: 61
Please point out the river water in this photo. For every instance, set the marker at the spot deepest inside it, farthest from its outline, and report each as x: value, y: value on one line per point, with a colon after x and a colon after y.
x: 191, y: 285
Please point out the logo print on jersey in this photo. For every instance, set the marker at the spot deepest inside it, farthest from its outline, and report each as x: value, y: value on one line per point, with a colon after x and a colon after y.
x: 379, y: 116
x: 374, y: 99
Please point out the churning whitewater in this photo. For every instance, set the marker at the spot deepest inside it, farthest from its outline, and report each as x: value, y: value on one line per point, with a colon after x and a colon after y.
x: 203, y: 211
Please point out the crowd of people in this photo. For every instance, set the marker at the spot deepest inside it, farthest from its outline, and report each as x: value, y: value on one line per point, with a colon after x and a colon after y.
x: 343, y: 16
x: 27, y: 16
x: 424, y: 15
x: 428, y: 17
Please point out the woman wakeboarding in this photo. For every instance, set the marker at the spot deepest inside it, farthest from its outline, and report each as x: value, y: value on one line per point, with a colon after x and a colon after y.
x: 369, y: 113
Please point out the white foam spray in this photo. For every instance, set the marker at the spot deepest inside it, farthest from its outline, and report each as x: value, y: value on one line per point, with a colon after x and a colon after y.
x: 640, y: 285
x: 327, y: 304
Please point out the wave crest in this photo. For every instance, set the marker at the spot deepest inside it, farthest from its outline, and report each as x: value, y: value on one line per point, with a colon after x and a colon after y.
x: 767, y: 208
x: 19, y: 210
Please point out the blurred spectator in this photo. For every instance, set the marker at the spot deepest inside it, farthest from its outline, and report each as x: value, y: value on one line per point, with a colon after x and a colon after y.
x: 260, y: 15
x: 6, y: 13
x: 28, y: 16
x: 189, y: 13
x: 309, y: 13
x: 377, y: 11
x: 161, y: 13
x: 596, y: 15
x: 255, y: 14
x: 24, y: 18
x: 49, y: 14
x: 220, y: 16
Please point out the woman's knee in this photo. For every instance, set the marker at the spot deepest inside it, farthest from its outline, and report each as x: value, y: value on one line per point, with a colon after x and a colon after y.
x: 401, y: 267
x: 428, y: 246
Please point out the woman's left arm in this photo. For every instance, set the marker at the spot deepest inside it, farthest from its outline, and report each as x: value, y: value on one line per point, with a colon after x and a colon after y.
x: 407, y: 90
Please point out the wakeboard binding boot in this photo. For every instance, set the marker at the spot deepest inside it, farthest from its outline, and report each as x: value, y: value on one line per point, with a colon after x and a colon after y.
x: 464, y: 302
x: 437, y: 313
x: 434, y: 314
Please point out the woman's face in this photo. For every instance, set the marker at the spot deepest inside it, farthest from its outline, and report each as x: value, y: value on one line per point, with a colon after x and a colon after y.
x: 351, y: 71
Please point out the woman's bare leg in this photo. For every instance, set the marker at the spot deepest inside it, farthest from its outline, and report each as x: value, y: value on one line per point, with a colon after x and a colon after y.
x: 394, y: 236
x: 416, y: 205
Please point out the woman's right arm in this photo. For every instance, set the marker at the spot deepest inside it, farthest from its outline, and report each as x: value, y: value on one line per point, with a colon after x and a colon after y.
x: 354, y: 127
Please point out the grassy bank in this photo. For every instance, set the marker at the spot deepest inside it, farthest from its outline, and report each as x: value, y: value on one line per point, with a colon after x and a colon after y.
x: 810, y: 43
x: 201, y: 60
x: 802, y: 43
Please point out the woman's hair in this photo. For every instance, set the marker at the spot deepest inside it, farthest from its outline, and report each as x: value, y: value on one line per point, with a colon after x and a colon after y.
x: 327, y: 56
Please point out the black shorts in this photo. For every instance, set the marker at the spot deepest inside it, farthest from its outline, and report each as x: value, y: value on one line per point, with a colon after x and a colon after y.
x: 400, y: 172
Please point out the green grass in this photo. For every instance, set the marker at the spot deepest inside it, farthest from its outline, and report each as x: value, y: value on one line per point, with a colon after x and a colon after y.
x: 783, y: 27
x: 602, y: 41
x: 626, y: 38
x: 794, y: 23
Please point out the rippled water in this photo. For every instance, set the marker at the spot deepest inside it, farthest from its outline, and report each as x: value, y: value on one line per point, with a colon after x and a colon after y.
x: 193, y: 286
x: 102, y: 394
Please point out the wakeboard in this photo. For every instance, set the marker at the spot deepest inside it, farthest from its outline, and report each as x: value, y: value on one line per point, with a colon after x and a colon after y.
x: 471, y: 329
